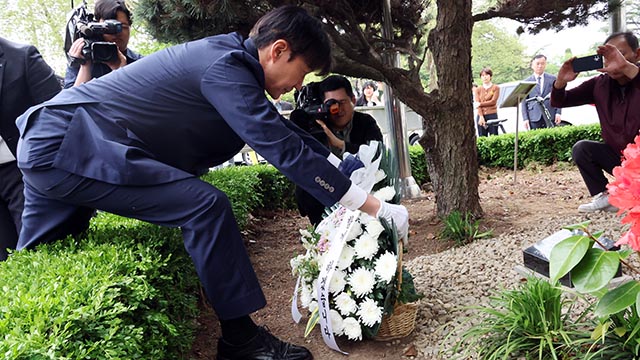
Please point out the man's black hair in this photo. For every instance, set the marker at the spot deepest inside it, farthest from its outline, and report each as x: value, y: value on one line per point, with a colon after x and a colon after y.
x: 486, y: 70
x: 336, y: 82
x: 108, y: 10
x: 631, y: 39
x: 303, y: 32
x: 539, y: 56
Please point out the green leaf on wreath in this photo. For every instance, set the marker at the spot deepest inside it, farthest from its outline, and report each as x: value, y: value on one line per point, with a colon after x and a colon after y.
x: 620, y: 331
x: 595, y: 270
x: 313, y: 321
x: 566, y: 254
x: 618, y: 299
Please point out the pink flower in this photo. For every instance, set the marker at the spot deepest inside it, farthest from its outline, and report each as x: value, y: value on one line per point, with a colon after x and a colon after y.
x: 323, y: 244
x: 631, y: 239
x: 624, y: 193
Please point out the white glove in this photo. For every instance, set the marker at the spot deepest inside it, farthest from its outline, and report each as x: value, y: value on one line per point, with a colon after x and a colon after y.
x: 399, y: 215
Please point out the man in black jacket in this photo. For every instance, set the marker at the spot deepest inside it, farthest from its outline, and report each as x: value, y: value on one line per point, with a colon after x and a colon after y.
x: 344, y: 132
x: 25, y: 80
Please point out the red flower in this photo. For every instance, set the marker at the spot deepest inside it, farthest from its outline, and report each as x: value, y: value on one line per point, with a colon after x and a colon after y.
x: 624, y: 193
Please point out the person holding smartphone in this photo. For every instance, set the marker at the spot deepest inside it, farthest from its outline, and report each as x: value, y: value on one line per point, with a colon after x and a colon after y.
x: 616, y: 94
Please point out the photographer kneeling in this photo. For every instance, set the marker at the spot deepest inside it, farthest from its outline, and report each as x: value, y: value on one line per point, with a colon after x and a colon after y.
x: 88, y: 69
x: 344, y: 131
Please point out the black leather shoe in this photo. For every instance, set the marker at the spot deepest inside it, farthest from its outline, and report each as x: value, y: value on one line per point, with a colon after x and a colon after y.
x: 263, y: 346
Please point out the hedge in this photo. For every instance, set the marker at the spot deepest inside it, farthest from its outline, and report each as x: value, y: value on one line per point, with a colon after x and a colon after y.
x: 128, y: 290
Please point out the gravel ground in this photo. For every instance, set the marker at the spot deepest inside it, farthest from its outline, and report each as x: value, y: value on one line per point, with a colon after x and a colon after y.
x: 467, y: 276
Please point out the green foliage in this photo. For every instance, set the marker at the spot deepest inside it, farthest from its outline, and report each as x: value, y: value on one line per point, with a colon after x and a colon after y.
x: 530, y: 322
x: 277, y: 191
x: 462, y: 229
x: 544, y: 146
x: 495, y: 48
x: 124, y: 293
x: 418, y: 162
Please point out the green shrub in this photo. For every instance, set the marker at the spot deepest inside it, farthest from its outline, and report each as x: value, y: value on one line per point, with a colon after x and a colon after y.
x: 544, y: 146
x: 117, y: 294
x: 276, y: 189
x: 418, y: 162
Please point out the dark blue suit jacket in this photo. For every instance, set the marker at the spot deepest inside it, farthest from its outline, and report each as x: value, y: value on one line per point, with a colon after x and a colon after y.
x: 531, y: 110
x: 173, y: 115
x: 25, y: 80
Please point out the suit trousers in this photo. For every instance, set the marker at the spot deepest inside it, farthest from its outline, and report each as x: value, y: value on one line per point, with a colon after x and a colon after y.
x: 592, y: 158
x: 55, y: 199
x: 11, y: 203
x: 540, y: 124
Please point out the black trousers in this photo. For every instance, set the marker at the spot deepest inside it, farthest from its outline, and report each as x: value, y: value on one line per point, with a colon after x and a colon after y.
x: 11, y: 204
x: 593, y: 158
x: 541, y: 124
x: 489, y: 130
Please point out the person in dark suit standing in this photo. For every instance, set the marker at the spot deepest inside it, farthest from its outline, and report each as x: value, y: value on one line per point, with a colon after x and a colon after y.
x: 134, y: 141
x: 532, y: 113
x: 25, y: 80
x: 343, y: 132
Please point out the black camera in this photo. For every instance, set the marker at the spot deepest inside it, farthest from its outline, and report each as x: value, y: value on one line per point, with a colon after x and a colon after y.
x: 310, y: 107
x: 81, y: 24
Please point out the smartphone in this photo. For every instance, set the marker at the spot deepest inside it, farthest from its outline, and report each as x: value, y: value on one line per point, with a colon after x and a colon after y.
x: 591, y: 62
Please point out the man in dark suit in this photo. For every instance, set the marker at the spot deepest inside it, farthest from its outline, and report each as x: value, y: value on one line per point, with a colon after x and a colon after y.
x: 532, y: 112
x: 134, y: 141
x: 25, y: 80
x: 344, y: 132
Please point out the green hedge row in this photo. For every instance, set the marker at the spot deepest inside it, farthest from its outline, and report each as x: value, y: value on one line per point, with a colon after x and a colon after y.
x: 126, y: 291
x: 544, y: 146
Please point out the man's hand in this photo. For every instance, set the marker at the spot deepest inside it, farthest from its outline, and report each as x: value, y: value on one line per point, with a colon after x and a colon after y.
x: 75, y: 51
x: 615, y: 64
x: 565, y: 74
x: 399, y: 215
x: 333, y: 139
x: 120, y: 62
x: 526, y: 124
x: 482, y: 122
x: 558, y: 119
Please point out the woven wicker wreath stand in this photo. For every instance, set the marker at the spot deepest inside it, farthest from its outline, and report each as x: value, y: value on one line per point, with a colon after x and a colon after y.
x: 403, y: 320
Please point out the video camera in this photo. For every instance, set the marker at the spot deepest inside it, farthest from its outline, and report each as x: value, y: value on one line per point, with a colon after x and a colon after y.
x: 81, y: 24
x: 310, y: 107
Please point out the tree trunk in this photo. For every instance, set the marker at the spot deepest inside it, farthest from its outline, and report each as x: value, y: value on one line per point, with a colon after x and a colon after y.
x: 449, y: 140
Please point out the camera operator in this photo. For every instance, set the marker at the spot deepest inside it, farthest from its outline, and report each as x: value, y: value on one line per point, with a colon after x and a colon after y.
x: 103, y: 10
x: 343, y: 132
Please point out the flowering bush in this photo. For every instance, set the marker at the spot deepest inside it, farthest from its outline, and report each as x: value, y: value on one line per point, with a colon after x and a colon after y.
x: 363, y: 286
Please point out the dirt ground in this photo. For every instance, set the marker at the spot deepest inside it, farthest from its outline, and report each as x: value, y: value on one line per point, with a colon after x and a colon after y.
x: 272, y: 240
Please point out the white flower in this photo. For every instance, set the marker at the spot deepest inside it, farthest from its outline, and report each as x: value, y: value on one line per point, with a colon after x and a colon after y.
x: 313, y: 306
x: 346, y: 257
x: 362, y: 282
x: 380, y: 175
x: 386, y: 266
x: 370, y: 313
x: 337, y: 282
x: 385, y: 194
x: 355, y: 231
x: 374, y: 228
x: 336, y: 322
x: 305, y: 296
x: 351, y: 328
x: 346, y: 304
x: 364, y: 218
x: 366, y: 247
